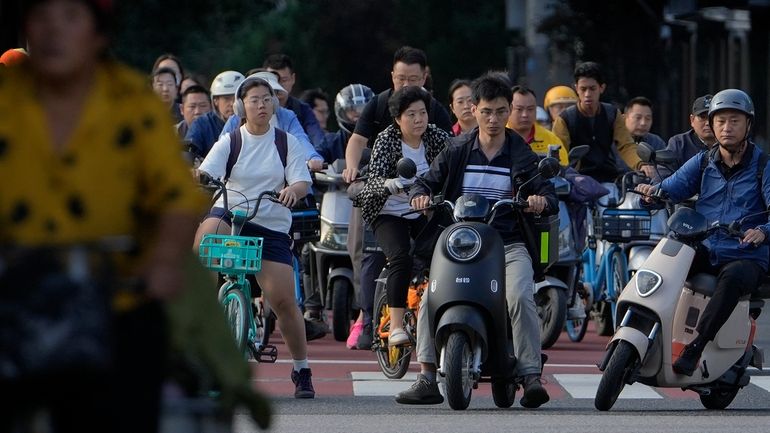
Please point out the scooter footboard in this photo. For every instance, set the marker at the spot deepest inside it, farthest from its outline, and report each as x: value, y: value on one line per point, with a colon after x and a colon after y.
x: 467, y: 319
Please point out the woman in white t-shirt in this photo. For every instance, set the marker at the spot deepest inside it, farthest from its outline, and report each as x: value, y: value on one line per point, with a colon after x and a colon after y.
x: 383, y: 199
x: 259, y: 168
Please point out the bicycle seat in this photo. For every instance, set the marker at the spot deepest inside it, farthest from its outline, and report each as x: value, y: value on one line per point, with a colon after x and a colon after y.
x: 704, y: 284
x: 763, y: 291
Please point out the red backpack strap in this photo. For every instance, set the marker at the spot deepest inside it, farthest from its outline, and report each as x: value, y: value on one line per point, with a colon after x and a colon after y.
x: 236, y: 142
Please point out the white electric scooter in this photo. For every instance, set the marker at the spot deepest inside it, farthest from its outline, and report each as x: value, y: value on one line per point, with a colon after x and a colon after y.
x: 658, y: 312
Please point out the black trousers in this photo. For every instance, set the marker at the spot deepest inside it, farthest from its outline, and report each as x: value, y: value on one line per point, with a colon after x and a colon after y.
x: 394, y: 235
x: 734, y: 280
x: 126, y: 399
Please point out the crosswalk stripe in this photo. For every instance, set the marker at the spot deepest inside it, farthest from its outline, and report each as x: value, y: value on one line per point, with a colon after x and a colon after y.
x: 375, y: 384
x: 761, y: 381
x: 585, y: 386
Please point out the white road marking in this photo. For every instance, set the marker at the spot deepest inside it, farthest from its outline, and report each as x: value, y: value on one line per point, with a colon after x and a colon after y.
x: 761, y: 381
x: 585, y: 385
x: 375, y: 384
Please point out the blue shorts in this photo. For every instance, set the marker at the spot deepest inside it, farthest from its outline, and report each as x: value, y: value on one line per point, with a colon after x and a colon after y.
x: 276, y: 246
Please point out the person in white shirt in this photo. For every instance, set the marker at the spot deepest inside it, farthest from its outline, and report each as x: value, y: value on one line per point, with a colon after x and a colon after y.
x: 259, y: 168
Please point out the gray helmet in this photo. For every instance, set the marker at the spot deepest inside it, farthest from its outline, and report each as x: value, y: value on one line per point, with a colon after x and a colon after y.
x: 731, y: 99
x: 351, y: 98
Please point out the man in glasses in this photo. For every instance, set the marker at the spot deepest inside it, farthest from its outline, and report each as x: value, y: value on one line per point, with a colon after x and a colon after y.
x: 699, y: 138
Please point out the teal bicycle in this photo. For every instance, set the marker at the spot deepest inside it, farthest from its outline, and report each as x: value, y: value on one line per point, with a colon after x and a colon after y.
x: 236, y: 257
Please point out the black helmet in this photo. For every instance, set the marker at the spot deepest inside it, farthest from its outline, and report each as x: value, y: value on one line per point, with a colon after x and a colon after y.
x: 351, y: 98
x: 731, y: 99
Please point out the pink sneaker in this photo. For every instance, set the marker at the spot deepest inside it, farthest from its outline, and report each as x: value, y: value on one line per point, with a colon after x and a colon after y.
x: 355, y: 331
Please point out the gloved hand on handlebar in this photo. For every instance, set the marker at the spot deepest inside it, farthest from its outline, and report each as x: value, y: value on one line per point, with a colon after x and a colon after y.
x: 394, y: 185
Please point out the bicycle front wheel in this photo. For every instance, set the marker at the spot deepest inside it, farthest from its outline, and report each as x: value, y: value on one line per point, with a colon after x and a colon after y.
x: 236, y: 311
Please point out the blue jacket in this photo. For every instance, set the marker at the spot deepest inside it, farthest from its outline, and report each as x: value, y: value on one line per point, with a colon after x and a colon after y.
x: 204, y: 132
x: 308, y: 121
x: 334, y: 146
x: 685, y: 146
x: 287, y: 121
x: 725, y: 201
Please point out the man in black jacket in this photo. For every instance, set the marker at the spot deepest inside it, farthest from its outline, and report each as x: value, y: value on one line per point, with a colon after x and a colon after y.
x: 700, y: 137
x: 409, y: 69
x: 494, y: 162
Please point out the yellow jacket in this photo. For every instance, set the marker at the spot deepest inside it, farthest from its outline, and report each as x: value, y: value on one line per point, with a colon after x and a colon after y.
x: 542, y: 139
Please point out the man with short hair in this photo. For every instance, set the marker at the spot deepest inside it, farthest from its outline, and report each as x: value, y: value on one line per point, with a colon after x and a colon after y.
x: 409, y: 69
x: 638, y: 120
x: 283, y: 67
x: 204, y: 131
x: 700, y: 137
x: 599, y: 126
x: 494, y: 162
x: 727, y: 179
x: 523, y: 121
x: 165, y: 85
x: 195, y: 103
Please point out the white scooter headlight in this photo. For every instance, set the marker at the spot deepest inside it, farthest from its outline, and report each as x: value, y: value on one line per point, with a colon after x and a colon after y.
x: 647, y: 282
x: 463, y: 244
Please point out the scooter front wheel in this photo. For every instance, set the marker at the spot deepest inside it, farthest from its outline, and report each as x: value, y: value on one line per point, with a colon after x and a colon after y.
x: 458, y: 370
x: 616, y: 375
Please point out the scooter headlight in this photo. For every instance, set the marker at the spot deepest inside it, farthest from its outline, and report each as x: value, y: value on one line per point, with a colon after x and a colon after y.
x: 334, y: 237
x: 463, y: 244
x: 647, y: 282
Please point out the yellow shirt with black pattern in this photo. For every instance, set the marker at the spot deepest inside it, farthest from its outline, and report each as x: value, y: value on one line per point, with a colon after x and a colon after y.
x: 119, y: 170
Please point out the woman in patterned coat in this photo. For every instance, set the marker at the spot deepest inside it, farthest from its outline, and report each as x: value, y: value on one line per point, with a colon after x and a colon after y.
x: 384, y: 199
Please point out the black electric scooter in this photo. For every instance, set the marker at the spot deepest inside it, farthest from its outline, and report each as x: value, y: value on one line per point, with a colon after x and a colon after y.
x: 466, y: 304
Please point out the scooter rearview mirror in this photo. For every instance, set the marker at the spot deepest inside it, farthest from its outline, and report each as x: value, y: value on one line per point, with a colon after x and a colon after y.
x: 665, y: 156
x: 548, y: 167
x: 645, y: 152
x: 577, y: 153
x: 406, y: 168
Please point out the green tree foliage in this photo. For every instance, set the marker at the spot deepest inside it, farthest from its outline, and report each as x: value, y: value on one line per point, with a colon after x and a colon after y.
x: 332, y: 42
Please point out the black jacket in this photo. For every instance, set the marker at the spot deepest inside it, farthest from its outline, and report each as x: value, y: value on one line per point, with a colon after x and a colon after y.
x: 447, y: 171
x: 382, y: 166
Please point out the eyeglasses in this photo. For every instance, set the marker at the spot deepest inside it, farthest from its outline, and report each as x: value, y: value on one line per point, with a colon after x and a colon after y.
x: 412, y: 80
x: 501, y: 113
x: 255, y: 100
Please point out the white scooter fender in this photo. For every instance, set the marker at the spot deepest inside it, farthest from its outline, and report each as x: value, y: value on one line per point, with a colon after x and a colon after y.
x: 671, y: 260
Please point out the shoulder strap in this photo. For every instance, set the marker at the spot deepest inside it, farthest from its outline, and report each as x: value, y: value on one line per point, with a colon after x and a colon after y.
x: 282, y: 144
x: 612, y: 114
x: 236, y: 142
x: 761, y: 164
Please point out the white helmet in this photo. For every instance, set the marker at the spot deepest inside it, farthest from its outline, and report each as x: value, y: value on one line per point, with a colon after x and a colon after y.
x: 225, y: 83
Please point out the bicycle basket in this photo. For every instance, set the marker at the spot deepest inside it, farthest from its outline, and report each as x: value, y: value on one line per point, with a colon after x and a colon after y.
x: 305, y: 225
x: 231, y: 254
x: 622, y: 225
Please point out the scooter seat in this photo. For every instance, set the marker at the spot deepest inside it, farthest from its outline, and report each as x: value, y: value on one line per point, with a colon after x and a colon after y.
x: 704, y: 284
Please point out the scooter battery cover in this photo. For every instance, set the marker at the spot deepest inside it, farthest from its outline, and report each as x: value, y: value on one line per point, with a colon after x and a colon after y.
x: 547, y: 239
x: 688, y: 312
